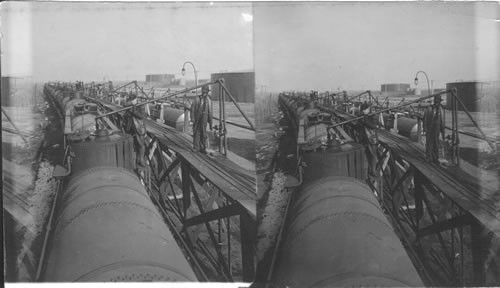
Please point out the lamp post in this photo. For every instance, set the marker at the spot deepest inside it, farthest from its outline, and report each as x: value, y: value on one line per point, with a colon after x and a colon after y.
x: 187, y: 113
x: 419, y: 121
x: 427, y: 78
x: 195, y: 72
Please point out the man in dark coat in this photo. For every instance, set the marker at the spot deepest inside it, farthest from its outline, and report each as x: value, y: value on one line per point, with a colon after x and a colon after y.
x: 135, y: 126
x: 369, y: 137
x: 433, y: 126
x: 201, y: 116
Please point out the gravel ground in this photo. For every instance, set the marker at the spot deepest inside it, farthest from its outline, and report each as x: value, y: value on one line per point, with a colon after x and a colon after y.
x: 40, y: 203
x: 272, y: 215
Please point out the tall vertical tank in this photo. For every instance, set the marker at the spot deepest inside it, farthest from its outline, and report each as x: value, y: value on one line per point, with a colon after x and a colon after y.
x: 467, y: 92
x: 240, y: 84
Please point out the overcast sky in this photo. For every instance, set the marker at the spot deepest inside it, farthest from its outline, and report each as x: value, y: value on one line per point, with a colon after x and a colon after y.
x: 124, y: 41
x: 355, y: 46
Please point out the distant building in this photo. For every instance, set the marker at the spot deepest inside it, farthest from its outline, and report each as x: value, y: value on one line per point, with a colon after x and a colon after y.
x: 395, y: 89
x: 241, y: 85
x: 160, y: 78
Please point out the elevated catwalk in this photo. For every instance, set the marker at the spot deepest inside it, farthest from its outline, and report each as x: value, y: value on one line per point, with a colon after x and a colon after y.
x: 237, y: 183
x: 233, y: 180
x: 472, y: 195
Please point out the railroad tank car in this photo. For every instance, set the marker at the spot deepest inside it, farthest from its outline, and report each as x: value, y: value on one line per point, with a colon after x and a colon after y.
x: 169, y: 116
x: 106, y: 227
x: 336, y: 234
x: 408, y: 127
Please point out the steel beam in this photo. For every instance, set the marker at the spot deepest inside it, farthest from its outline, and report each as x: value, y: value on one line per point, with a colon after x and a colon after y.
x: 226, y: 211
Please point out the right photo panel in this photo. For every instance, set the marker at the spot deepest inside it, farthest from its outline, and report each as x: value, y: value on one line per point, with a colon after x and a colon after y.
x: 377, y: 135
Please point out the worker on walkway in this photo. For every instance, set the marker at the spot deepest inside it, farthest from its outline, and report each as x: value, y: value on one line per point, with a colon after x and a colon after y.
x: 369, y: 137
x: 201, y: 115
x: 433, y: 126
x: 136, y: 127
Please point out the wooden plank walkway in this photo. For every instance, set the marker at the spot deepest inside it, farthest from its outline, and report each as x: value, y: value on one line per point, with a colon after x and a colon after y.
x: 480, y: 200
x: 465, y: 190
x: 236, y: 182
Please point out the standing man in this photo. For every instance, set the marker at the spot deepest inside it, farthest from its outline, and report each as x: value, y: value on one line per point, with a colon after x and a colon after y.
x: 433, y: 126
x: 368, y: 134
x: 136, y: 127
x: 201, y: 115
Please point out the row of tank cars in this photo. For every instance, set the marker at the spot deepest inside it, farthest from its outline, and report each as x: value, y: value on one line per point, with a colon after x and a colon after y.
x: 106, y: 227
x: 336, y: 234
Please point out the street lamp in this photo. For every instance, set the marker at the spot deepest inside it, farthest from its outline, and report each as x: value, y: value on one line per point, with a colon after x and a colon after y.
x: 195, y: 72
x: 425, y: 74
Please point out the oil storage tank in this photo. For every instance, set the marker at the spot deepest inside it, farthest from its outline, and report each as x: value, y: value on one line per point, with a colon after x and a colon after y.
x: 469, y: 93
x: 240, y: 84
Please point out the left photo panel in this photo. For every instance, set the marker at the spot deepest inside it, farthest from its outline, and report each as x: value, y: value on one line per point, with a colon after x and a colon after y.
x: 128, y: 142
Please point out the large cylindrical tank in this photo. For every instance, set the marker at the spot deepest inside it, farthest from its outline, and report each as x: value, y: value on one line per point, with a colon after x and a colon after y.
x: 107, y: 229
x: 408, y: 127
x: 115, y: 150
x: 240, y: 84
x: 348, y: 159
x: 338, y: 236
x: 174, y: 118
x: 467, y: 92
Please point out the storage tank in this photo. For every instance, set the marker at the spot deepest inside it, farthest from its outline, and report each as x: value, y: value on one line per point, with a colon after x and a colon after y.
x: 467, y: 92
x: 240, y: 84
x: 394, y: 89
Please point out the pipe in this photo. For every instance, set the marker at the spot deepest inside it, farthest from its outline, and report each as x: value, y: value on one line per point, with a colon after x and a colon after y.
x: 390, y: 108
x: 153, y: 100
x: 235, y: 103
